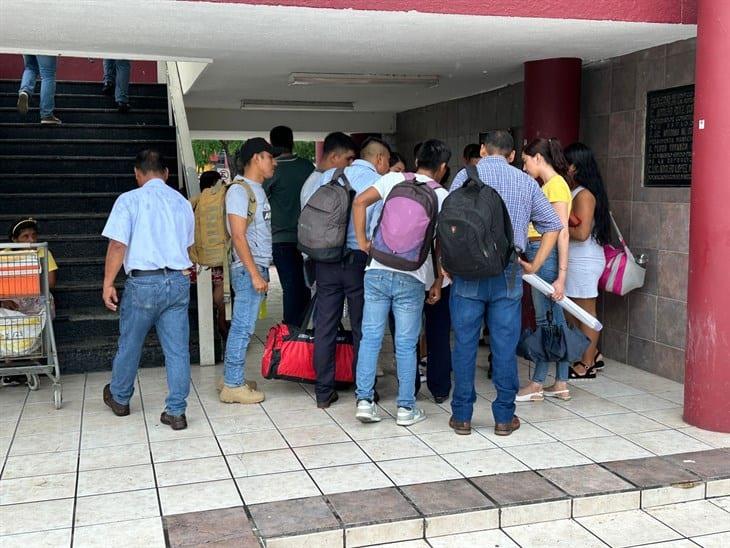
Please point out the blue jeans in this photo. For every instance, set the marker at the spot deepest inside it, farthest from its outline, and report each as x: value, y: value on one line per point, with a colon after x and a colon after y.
x: 45, y: 67
x: 499, y: 297
x: 246, y: 305
x: 116, y: 71
x: 161, y: 301
x: 542, y: 303
x: 403, y: 293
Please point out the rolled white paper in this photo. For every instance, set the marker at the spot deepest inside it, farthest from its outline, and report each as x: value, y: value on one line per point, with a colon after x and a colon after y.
x: 576, y: 311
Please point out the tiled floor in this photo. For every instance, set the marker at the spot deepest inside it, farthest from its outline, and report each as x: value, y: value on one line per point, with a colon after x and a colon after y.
x: 242, y: 473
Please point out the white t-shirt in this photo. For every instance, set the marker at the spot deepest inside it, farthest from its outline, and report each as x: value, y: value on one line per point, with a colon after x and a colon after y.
x: 384, y: 185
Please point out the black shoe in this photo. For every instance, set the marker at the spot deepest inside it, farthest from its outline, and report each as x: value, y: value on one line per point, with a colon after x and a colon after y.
x: 119, y: 409
x: 178, y: 422
x: 123, y: 107
x: 440, y: 399
x: 108, y: 88
x: 329, y: 401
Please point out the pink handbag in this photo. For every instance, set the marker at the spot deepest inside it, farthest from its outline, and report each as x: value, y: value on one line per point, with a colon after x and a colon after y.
x: 622, y: 273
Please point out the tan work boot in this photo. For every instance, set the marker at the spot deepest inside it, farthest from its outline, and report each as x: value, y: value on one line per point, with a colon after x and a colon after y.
x: 241, y: 394
x: 220, y: 383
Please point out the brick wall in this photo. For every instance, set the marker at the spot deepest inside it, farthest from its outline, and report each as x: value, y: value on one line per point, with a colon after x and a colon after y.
x: 646, y: 328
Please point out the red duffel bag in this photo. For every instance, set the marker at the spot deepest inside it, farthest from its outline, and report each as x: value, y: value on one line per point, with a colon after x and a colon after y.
x: 289, y: 353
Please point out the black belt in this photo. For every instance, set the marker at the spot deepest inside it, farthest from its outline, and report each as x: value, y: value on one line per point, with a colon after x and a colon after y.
x: 142, y: 273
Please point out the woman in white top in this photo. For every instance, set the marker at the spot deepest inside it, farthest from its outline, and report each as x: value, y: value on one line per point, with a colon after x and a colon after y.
x: 589, y: 229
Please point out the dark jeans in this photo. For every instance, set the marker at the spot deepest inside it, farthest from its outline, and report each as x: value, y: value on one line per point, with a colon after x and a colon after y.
x: 290, y: 267
x: 438, y: 343
x: 335, y: 283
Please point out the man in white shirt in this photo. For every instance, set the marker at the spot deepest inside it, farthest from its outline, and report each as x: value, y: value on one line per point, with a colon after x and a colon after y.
x: 401, y: 291
x: 150, y: 230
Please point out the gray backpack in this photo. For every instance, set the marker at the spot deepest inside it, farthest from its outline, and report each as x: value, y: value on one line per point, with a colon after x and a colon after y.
x: 323, y: 223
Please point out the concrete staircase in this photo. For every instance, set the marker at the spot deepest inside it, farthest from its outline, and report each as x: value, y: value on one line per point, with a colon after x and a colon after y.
x: 67, y: 177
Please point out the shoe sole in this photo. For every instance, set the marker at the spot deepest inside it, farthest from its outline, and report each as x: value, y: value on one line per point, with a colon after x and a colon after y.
x: 252, y: 402
x: 23, y: 103
x: 367, y: 419
x: 168, y: 423
x: 50, y: 123
x: 530, y: 399
x: 410, y: 422
x: 558, y: 397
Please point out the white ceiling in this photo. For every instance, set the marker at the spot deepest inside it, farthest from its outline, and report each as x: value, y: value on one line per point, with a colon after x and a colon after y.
x: 253, y: 49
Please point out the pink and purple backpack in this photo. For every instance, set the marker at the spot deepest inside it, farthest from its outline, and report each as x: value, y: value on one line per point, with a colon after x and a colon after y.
x: 404, y: 235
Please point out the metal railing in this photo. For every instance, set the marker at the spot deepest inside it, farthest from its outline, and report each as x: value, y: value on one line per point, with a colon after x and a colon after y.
x: 188, y: 176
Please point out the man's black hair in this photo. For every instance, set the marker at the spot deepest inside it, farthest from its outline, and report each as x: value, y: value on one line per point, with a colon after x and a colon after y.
x: 416, y: 148
x: 498, y: 141
x: 395, y: 158
x: 472, y: 151
x: 432, y: 154
x: 370, y: 140
x: 150, y: 161
x: 282, y: 137
x: 338, y: 142
x: 209, y: 179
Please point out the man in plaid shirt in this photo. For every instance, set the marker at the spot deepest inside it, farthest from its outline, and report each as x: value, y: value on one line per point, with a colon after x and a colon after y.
x: 498, y: 297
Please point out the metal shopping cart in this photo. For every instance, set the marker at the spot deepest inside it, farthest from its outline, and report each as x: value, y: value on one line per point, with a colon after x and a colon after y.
x: 27, y: 342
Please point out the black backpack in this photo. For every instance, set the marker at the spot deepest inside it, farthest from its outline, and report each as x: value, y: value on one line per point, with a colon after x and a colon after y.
x: 323, y: 223
x: 475, y: 231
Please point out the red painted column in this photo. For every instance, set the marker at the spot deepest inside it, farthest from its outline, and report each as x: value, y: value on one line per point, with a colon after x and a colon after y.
x: 707, y: 371
x: 552, y: 99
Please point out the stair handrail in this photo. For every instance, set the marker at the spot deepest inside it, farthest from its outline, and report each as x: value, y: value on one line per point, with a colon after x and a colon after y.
x: 189, y: 177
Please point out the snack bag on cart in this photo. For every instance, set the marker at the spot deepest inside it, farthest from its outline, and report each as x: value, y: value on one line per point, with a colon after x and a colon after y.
x: 20, y: 334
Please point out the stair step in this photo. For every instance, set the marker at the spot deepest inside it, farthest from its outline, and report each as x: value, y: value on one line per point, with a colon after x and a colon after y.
x: 70, y: 164
x: 87, y: 293
x: 89, y: 88
x: 39, y: 183
x: 67, y: 130
x: 95, y: 147
x: 96, y: 202
x: 76, y: 246
x: 91, y: 116
x: 94, y: 100
x: 62, y: 223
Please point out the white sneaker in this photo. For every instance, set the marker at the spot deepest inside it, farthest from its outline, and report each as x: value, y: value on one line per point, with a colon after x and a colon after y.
x: 408, y: 417
x: 367, y: 412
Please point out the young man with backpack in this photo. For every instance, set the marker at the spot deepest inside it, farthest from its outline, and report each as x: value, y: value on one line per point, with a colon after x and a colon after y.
x: 283, y: 191
x: 339, y: 269
x: 402, y: 265
x: 486, y: 280
x: 248, y: 219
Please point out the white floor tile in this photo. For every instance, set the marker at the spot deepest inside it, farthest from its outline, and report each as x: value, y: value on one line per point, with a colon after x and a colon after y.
x: 628, y: 528
x: 419, y: 470
x: 695, y: 518
x: 198, y: 497
x: 114, y: 457
x: 273, y: 487
x: 353, y: 477
x: 58, y: 538
x: 142, y: 532
x: 115, y: 507
x: 669, y: 417
x: 36, y: 516
x: 627, y: 423
x: 719, y: 540
x: 37, y: 488
x: 265, y: 440
x: 449, y: 442
x: 608, y: 448
x: 667, y: 442
x: 50, y: 443
x: 547, y: 455
x: 722, y: 502
x: 572, y: 429
x: 643, y: 402
x: 198, y: 427
x: 528, y: 434
x: 485, y: 462
x: 315, y: 435
x: 115, y: 480
x: 493, y: 538
x: 715, y: 439
x: 42, y: 464
x: 402, y: 447
x: 185, y: 449
x: 179, y: 472
x: 563, y: 532
x: 301, y: 418
x: 387, y: 428
x: 263, y: 462
x: 334, y: 454
x: 542, y: 411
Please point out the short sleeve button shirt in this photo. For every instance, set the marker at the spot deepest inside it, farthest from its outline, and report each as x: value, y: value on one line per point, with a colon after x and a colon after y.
x: 157, y: 225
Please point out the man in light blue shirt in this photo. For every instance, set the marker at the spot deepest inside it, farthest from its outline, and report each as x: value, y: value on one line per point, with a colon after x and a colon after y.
x: 150, y: 230
x: 337, y: 281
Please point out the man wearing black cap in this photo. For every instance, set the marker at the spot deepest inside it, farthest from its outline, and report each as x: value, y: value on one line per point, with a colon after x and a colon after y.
x: 248, y: 220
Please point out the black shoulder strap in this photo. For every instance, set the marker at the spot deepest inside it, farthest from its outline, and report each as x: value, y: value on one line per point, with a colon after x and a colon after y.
x: 472, y: 175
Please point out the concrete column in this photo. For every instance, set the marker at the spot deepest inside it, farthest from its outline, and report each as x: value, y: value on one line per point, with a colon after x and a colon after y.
x: 707, y: 371
x: 552, y: 99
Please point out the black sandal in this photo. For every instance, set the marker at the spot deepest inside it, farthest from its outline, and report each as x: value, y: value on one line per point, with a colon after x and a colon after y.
x: 599, y: 363
x: 590, y: 372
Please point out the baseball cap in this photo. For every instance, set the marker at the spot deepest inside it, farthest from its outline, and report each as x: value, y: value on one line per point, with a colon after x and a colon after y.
x: 255, y: 145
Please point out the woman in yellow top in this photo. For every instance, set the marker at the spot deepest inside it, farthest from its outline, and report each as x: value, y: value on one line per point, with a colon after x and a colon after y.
x: 543, y: 159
